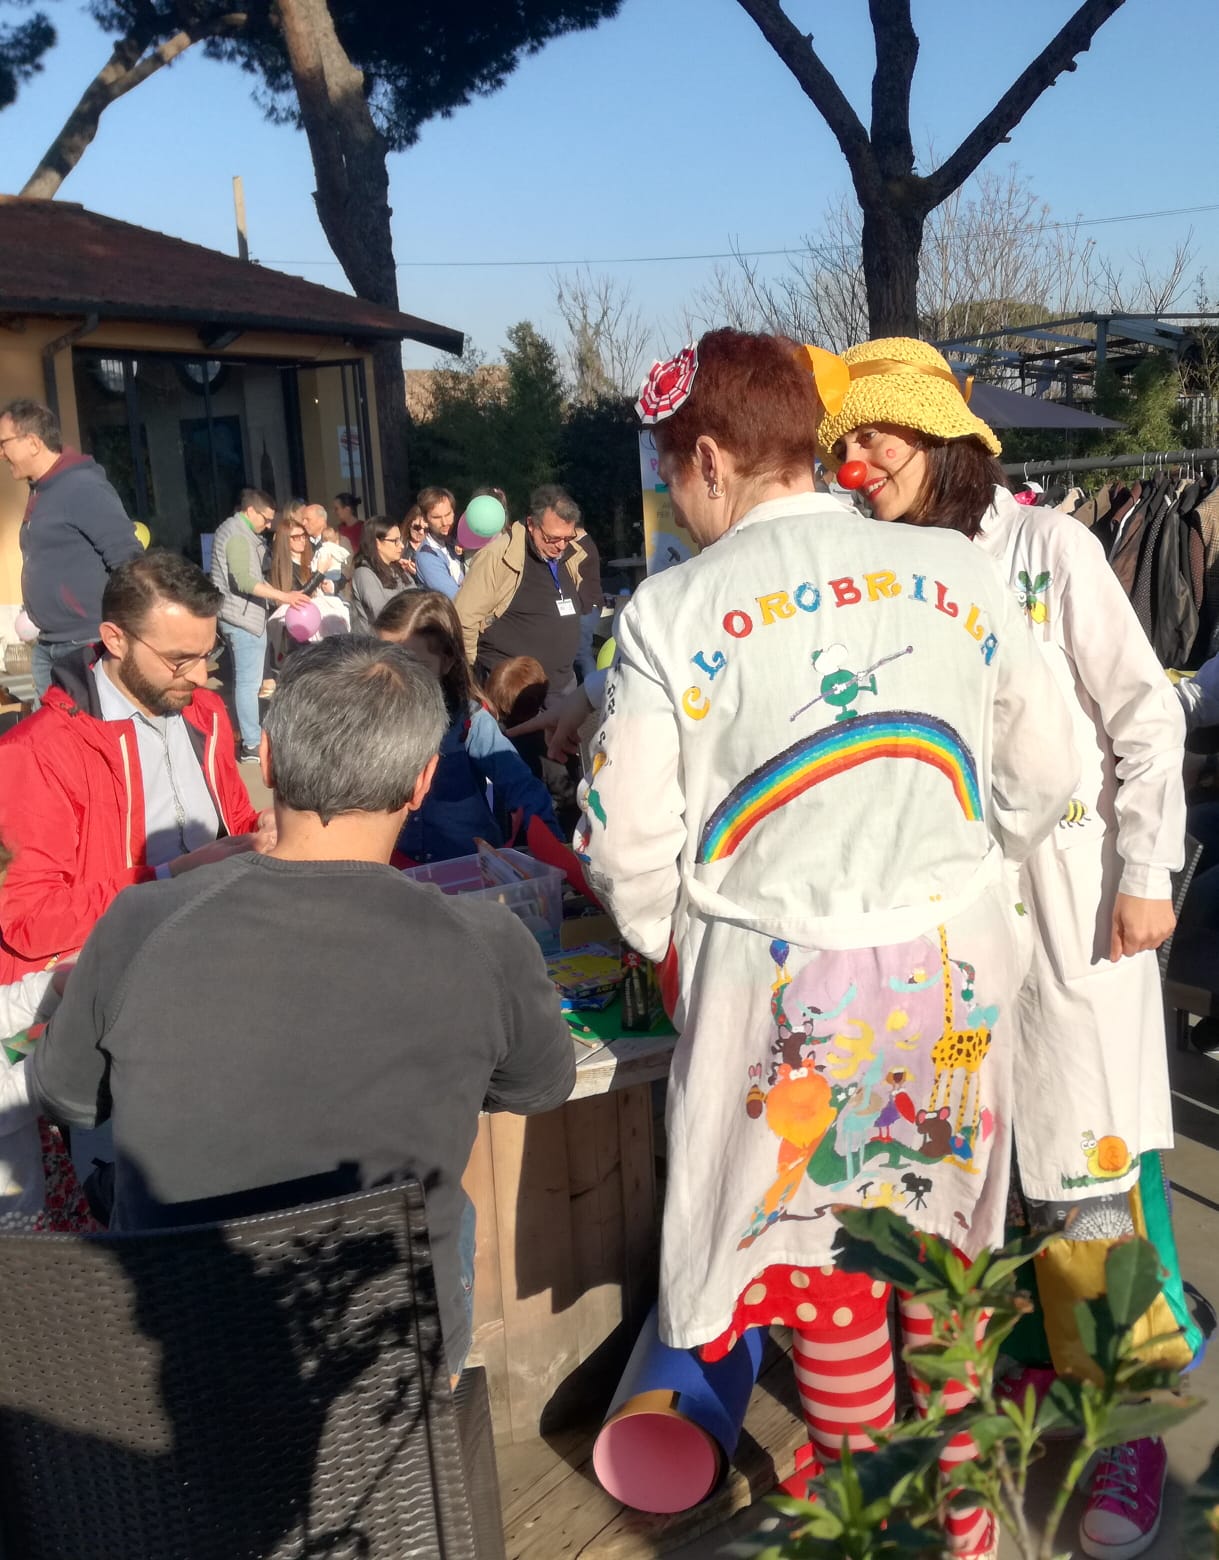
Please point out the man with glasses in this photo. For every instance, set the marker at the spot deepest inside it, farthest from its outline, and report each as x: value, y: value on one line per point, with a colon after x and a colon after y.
x: 239, y: 567
x: 522, y: 594
x: 74, y: 531
x: 127, y: 773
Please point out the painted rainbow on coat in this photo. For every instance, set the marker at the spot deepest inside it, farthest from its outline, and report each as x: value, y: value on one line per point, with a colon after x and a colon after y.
x: 833, y: 751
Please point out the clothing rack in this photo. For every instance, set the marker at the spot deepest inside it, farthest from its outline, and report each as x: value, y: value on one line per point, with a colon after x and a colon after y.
x: 1152, y: 460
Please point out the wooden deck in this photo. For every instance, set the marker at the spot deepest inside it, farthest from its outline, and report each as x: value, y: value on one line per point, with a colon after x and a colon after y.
x: 554, y: 1508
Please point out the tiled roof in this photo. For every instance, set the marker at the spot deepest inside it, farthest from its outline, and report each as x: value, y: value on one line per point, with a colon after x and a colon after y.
x: 57, y: 258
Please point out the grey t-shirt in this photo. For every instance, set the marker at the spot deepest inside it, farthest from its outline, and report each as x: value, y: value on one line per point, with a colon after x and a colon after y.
x: 244, y: 1076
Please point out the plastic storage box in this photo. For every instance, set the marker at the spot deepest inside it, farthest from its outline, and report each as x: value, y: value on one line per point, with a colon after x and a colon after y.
x: 538, y: 901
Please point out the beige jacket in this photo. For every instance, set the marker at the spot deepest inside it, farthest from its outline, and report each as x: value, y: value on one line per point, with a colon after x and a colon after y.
x: 492, y: 579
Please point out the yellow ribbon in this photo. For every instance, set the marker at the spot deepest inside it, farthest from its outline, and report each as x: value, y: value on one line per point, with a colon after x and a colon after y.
x: 833, y: 374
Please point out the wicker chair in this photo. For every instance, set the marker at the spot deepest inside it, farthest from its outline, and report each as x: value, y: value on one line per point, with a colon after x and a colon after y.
x: 267, y: 1388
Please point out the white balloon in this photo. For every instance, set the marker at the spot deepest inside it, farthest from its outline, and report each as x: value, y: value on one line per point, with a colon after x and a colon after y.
x: 27, y: 629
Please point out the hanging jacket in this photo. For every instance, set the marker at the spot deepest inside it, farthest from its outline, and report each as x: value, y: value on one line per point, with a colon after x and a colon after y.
x: 72, y: 811
x: 1163, y: 596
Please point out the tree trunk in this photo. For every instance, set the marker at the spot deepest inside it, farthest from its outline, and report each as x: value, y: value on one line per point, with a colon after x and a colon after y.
x: 352, y: 199
x: 891, y: 239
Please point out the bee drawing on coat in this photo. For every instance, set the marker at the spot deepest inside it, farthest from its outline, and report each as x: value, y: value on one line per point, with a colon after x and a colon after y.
x: 1075, y: 816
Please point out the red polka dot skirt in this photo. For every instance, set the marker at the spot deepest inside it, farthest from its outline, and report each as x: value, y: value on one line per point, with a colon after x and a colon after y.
x: 806, y: 1299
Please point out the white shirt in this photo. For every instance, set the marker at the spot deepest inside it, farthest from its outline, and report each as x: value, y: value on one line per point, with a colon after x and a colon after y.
x: 179, y: 813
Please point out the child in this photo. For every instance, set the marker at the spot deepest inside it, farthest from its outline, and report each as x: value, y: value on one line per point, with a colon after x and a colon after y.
x: 517, y: 691
x: 333, y: 557
x: 481, y: 781
x: 38, y: 1185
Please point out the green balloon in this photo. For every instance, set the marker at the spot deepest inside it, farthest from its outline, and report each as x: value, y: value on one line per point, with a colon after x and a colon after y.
x: 608, y: 651
x: 485, y: 515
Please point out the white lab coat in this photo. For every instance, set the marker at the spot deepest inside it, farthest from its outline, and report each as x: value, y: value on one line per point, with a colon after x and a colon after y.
x: 1092, y: 1068
x: 817, y: 737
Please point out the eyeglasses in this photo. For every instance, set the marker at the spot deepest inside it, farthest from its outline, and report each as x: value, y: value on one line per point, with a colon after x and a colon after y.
x: 11, y: 437
x: 551, y: 541
x: 393, y: 541
x: 180, y: 663
x: 297, y: 536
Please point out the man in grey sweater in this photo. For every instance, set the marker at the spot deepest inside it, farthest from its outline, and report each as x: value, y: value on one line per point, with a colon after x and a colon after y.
x: 239, y: 566
x: 238, y: 1083
x: 75, y: 531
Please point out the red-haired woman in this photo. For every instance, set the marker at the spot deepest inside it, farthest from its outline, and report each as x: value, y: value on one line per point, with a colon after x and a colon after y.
x: 819, y: 739
x: 1092, y: 1055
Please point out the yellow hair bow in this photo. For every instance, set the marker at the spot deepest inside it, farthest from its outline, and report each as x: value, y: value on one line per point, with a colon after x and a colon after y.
x: 833, y: 375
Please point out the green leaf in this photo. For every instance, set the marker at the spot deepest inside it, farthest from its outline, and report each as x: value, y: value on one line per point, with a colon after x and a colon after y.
x: 988, y: 1429
x: 1013, y: 1257
x: 1085, y: 1324
x: 1061, y: 1407
x: 882, y: 1244
x: 1131, y: 1421
x: 887, y: 1471
x: 1132, y: 1280
x: 931, y: 1367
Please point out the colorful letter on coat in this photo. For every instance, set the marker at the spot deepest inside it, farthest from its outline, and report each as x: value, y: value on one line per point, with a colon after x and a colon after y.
x: 834, y: 751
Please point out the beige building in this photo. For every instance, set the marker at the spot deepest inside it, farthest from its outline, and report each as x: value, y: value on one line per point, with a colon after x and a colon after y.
x: 186, y: 373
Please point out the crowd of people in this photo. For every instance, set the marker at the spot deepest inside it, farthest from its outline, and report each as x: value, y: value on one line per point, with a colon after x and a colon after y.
x: 896, y: 825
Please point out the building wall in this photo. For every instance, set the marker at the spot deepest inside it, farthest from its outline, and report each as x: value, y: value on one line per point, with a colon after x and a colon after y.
x: 22, y: 374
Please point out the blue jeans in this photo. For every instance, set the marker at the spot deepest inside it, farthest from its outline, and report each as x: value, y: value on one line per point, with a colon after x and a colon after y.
x: 43, y: 658
x: 248, y: 652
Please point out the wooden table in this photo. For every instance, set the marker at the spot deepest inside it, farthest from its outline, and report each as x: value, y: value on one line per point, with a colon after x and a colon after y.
x: 568, y: 1239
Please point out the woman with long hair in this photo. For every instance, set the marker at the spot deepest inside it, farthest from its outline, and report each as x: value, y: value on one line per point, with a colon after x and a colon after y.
x: 481, y: 782
x: 1090, y: 1025
x: 806, y: 775
x: 291, y: 550
x: 414, y: 529
x: 376, y: 577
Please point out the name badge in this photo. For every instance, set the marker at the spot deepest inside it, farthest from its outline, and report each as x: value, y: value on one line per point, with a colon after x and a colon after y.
x: 566, y: 606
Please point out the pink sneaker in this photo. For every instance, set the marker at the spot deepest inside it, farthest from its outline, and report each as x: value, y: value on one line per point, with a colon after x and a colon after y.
x: 1123, y: 1513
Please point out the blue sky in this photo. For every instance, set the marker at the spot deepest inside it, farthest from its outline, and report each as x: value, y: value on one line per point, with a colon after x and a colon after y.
x: 672, y: 130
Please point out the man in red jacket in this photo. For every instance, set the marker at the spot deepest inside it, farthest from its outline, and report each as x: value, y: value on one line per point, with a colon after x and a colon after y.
x: 126, y: 773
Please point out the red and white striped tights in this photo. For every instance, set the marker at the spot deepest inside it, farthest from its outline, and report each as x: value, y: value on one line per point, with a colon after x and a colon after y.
x: 845, y: 1376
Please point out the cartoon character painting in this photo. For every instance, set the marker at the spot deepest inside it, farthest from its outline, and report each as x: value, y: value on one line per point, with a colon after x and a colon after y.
x: 1031, y: 593
x: 876, y: 1068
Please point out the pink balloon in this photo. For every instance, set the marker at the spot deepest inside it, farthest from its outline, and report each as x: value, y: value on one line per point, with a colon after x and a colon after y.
x: 25, y: 626
x: 303, y: 622
x: 468, y: 539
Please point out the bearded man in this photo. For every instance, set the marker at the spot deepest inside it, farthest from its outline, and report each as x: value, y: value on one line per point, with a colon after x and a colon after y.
x: 127, y: 772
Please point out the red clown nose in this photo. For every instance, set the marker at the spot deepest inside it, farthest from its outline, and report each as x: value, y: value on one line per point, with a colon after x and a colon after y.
x: 852, y: 474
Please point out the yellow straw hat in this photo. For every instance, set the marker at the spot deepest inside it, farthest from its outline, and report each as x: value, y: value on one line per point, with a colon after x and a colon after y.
x: 895, y: 380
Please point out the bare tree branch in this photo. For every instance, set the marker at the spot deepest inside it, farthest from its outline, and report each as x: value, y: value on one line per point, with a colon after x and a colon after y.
x: 127, y: 67
x: 1057, y: 56
x: 606, y: 335
x: 896, y: 57
x: 796, y: 51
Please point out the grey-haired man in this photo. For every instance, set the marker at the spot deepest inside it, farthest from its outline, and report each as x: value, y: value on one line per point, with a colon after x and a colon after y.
x: 270, y: 1087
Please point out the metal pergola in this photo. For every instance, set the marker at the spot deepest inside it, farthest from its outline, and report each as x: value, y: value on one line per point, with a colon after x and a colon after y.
x: 1076, y: 346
